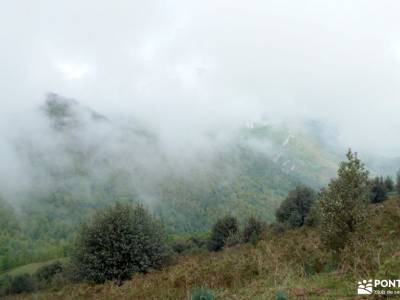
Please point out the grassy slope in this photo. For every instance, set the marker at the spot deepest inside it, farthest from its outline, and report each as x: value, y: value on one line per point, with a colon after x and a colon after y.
x: 31, y: 268
x: 277, y: 263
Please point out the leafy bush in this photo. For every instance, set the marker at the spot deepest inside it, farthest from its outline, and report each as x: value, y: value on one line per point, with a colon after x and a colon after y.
x: 389, y: 269
x: 280, y: 295
x: 397, y: 186
x: 5, y: 285
x: 45, y: 274
x: 202, y: 294
x: 222, y: 230
x: 253, y: 229
x: 181, y: 246
x: 23, y: 283
x: 313, y: 218
x: 188, y: 245
x: 233, y: 239
x: 343, y: 203
x: 119, y: 241
x: 295, y: 208
x: 378, y: 190
x: 389, y: 184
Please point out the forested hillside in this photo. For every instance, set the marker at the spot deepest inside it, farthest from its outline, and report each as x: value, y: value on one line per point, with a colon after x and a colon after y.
x: 79, y: 160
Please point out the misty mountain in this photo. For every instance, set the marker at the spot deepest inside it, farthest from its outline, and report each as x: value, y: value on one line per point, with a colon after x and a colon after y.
x: 81, y: 160
x: 75, y: 161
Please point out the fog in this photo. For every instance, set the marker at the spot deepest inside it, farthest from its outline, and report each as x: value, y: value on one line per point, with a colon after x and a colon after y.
x: 187, y: 68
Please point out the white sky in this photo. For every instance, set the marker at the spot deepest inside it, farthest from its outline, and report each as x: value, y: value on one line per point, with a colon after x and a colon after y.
x: 206, y: 64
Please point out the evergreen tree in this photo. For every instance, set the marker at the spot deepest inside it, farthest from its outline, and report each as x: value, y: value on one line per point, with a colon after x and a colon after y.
x: 343, y: 203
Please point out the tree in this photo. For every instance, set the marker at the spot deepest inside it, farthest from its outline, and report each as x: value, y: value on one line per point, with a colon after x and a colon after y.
x: 253, y: 230
x: 378, y: 190
x: 295, y: 208
x: 119, y: 241
x: 398, y: 182
x: 222, y: 230
x: 343, y: 203
x: 389, y: 184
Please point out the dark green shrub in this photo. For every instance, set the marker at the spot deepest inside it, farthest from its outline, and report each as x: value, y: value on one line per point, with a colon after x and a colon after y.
x: 295, y: 208
x: 23, y: 283
x: 252, y: 230
x: 397, y: 185
x: 45, y: 275
x: 280, y: 295
x: 202, y: 294
x: 188, y: 245
x: 378, y: 190
x: 222, y: 230
x: 118, y: 242
x: 233, y: 239
x: 200, y: 241
x: 313, y: 218
x: 389, y: 184
x: 5, y: 285
x: 181, y: 246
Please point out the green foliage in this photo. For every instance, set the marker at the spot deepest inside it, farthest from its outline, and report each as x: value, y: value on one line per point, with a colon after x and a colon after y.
x: 118, y: 242
x: 343, y: 203
x: 389, y: 184
x: 390, y: 269
x: 5, y: 284
x: 45, y: 274
x: 398, y: 182
x: 22, y: 283
x: 252, y: 230
x: 280, y: 295
x: 378, y: 190
x: 295, y: 208
x: 182, y: 246
x: 202, y: 294
x: 222, y: 230
x: 313, y: 218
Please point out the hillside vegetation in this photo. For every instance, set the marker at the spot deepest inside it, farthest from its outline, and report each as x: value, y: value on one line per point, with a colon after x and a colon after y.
x: 292, y: 265
x: 81, y: 161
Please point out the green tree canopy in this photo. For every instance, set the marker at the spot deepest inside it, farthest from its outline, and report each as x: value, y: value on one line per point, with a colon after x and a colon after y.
x: 343, y: 203
x: 119, y: 241
x: 222, y: 230
x: 295, y: 208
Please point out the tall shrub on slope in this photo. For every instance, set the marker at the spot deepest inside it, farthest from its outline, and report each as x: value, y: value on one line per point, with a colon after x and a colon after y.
x: 119, y: 241
x: 295, y: 208
x: 223, y: 229
x: 343, y: 203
